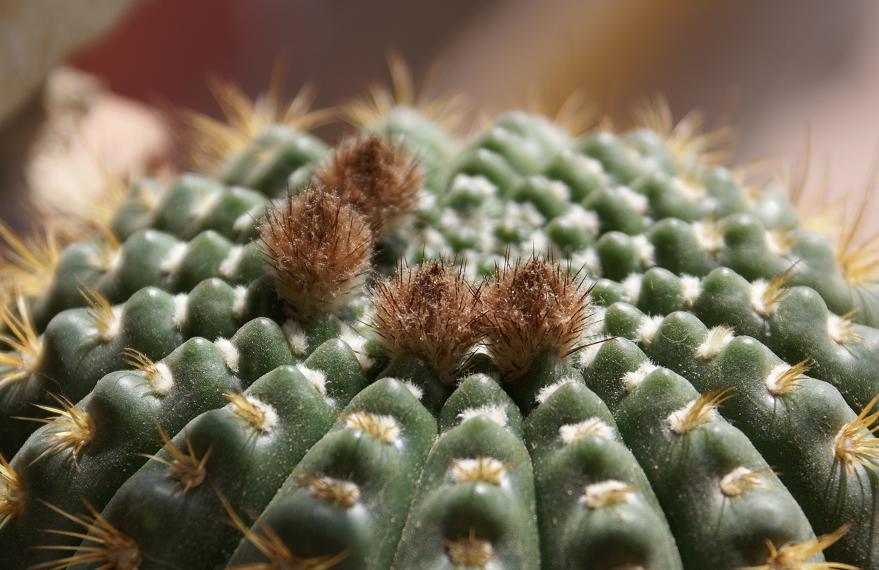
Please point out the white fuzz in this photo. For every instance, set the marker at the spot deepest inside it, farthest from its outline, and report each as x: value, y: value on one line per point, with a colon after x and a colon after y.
x: 357, y: 342
x: 481, y: 469
x: 181, y: 309
x: 588, y: 260
x: 776, y: 243
x: 607, y: 493
x: 526, y: 212
x: 315, y: 377
x: 492, y: 412
x: 740, y: 480
x: 838, y: 328
x: 707, y: 236
x: 539, y: 241
x: 115, y: 261
x: 243, y: 222
x: 715, y: 341
x: 295, y: 336
x: 580, y: 218
x: 692, y: 289
x: 593, y: 427
x: 230, y: 264
x: 758, y: 298
x: 269, y: 415
x: 632, y: 287
x: 239, y: 300
x: 773, y: 380
x: 692, y: 191
x: 558, y: 189
x: 681, y: 423
x: 637, y: 202
x: 547, y: 391
x: 585, y: 357
x: 113, y: 324
x: 230, y: 353
x: 648, y: 328
x: 416, y: 391
x: 645, y: 250
x: 204, y: 204
x: 633, y: 379
x: 383, y: 428
x: 162, y: 380
x: 174, y: 258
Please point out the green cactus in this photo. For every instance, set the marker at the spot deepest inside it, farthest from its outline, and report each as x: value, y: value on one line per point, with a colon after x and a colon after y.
x: 526, y: 348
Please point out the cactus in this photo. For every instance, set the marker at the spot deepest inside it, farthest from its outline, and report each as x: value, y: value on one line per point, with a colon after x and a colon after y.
x: 526, y: 348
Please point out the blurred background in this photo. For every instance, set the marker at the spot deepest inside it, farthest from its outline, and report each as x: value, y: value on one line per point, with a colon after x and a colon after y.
x: 91, y: 88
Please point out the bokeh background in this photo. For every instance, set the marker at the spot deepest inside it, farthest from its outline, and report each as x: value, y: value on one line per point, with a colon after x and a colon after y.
x: 88, y: 82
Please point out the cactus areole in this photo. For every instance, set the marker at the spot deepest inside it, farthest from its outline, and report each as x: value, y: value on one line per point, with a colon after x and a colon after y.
x: 522, y: 348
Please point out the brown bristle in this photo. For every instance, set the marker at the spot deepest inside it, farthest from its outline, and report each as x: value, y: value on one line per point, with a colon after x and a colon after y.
x: 272, y: 546
x: 429, y: 311
x: 380, y: 179
x: 343, y: 493
x: 469, y: 551
x: 70, y: 429
x: 185, y: 467
x: 794, y: 556
x: 21, y: 345
x: 366, y: 113
x: 855, y: 443
x: 533, y: 308
x: 215, y: 141
x: 12, y: 492
x: 27, y: 265
x: 104, y: 546
x: 320, y: 250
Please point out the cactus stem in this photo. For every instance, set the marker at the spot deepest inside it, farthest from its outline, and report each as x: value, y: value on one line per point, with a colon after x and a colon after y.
x: 794, y: 556
x: 607, y: 494
x: 320, y: 250
x: 28, y: 265
x: 24, y: 344
x: 592, y: 427
x: 855, y: 444
x: 469, y: 551
x: 71, y: 429
x: 378, y: 178
x: 259, y: 415
x: 383, y: 428
x: 741, y: 480
x: 185, y: 467
x: 273, y: 548
x: 337, y: 491
x: 698, y: 412
x: 12, y: 492
x: 431, y: 312
x: 158, y: 374
x: 105, y: 546
x: 105, y: 317
x: 481, y: 469
x: 784, y: 378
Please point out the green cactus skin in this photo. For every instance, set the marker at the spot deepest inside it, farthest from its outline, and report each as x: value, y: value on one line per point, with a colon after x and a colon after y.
x: 476, y: 486
x: 574, y: 445
x: 794, y: 428
x: 385, y: 460
x: 247, y: 464
x: 381, y: 473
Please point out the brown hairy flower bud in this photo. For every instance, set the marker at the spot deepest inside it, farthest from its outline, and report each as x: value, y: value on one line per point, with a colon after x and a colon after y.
x: 320, y: 250
x: 533, y: 308
x: 430, y: 311
x: 381, y: 180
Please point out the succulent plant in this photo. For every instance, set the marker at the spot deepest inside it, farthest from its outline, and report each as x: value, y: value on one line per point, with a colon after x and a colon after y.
x: 526, y: 348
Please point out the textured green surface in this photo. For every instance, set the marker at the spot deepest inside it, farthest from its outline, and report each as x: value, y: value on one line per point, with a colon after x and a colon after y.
x: 672, y: 248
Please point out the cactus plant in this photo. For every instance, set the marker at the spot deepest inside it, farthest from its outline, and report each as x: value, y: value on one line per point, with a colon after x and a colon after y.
x: 526, y: 348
